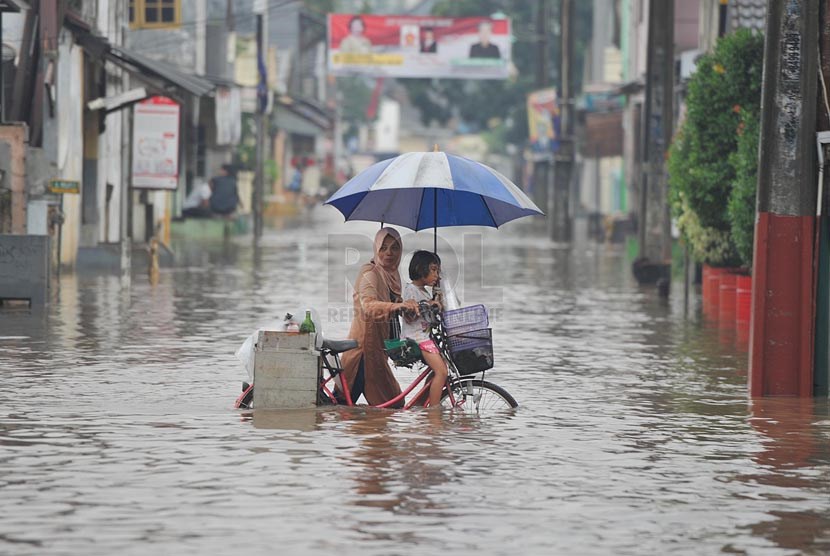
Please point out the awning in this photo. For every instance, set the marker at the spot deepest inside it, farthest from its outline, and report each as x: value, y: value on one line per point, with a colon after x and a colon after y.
x: 301, y: 116
x: 13, y: 6
x: 631, y: 87
x: 159, y: 75
x: 139, y: 64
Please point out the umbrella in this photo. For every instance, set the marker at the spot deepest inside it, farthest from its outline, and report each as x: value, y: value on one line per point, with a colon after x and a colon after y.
x: 422, y: 190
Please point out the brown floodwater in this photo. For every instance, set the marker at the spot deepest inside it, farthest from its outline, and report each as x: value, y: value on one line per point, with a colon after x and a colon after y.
x: 634, y: 433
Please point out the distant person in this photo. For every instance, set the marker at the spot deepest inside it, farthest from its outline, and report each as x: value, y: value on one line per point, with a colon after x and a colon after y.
x: 356, y: 42
x: 484, y: 48
x: 224, y: 197
x: 197, y: 202
x: 428, y: 44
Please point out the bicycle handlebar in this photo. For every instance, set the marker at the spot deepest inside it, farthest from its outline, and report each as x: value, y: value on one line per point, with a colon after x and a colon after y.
x: 429, y: 311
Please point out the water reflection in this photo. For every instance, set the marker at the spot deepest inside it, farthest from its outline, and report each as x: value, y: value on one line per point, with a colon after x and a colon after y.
x: 634, y: 433
x: 792, y: 460
x: 394, y: 473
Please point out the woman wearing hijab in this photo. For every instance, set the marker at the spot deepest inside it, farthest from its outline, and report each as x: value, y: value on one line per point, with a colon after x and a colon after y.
x: 377, y: 301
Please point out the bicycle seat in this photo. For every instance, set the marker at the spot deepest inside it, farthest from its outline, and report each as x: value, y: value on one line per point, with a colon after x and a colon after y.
x: 339, y: 346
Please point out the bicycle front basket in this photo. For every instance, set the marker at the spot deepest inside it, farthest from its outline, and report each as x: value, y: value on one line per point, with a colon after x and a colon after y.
x: 466, y: 319
x: 403, y: 352
x: 472, y: 352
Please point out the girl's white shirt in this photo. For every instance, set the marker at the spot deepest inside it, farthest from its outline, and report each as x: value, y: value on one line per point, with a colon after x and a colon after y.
x: 417, y: 330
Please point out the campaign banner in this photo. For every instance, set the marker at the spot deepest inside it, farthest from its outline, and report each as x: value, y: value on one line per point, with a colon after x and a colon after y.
x: 156, y: 144
x: 543, y: 121
x: 419, y: 46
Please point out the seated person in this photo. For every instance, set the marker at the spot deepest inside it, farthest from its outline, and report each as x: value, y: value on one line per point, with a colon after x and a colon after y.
x: 224, y: 197
x: 424, y: 270
x: 197, y: 202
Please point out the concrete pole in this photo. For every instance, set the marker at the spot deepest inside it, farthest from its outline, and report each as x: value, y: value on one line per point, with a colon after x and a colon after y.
x: 821, y: 251
x: 781, y: 337
x: 654, y: 222
x: 541, y: 168
x: 259, y: 176
x: 126, y: 157
x: 564, y: 158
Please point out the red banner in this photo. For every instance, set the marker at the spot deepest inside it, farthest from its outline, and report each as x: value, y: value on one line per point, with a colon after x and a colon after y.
x: 419, y: 46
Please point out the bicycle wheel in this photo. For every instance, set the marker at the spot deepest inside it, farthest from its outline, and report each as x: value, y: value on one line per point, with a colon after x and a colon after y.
x: 476, y: 396
x: 246, y: 400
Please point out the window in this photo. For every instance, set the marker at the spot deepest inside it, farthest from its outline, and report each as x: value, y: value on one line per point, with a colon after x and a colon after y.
x: 155, y: 13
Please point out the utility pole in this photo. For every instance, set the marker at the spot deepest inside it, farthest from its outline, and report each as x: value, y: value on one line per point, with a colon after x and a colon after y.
x: 262, y: 103
x: 781, y: 345
x: 821, y: 250
x: 126, y: 128
x: 541, y: 167
x: 654, y: 219
x: 722, y: 13
x: 564, y: 157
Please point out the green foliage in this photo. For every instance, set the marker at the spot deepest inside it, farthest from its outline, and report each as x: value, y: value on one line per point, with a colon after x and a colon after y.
x: 706, y: 244
x: 725, y: 82
x: 742, y: 201
x: 725, y: 87
x: 246, y: 150
x: 272, y: 170
x: 354, y: 95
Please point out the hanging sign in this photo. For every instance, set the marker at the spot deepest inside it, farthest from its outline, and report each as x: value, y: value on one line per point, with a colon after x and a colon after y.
x: 156, y: 144
x: 64, y: 186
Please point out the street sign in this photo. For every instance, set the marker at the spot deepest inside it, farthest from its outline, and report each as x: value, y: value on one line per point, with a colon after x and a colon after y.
x: 64, y: 186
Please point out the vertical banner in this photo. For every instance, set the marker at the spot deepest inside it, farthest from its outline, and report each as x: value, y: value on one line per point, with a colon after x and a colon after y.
x: 156, y: 144
x: 419, y: 46
x: 543, y: 121
x: 228, y: 113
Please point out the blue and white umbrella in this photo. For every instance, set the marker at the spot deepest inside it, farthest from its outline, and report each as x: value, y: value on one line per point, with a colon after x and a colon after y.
x: 423, y: 190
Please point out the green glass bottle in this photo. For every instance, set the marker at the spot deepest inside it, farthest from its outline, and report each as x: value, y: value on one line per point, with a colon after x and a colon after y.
x: 307, y: 327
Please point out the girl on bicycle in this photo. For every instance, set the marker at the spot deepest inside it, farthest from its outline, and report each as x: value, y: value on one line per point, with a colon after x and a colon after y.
x: 424, y: 270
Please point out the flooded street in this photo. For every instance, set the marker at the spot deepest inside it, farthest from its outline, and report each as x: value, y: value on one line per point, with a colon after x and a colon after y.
x: 634, y: 433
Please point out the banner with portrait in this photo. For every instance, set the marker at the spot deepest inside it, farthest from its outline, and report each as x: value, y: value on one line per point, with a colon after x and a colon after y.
x: 419, y: 46
x: 543, y: 121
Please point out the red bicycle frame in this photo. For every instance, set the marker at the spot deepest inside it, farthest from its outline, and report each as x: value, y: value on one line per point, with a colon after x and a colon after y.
x: 389, y: 403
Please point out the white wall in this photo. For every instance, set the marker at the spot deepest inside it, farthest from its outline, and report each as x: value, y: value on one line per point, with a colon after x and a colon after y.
x: 70, y: 154
x: 387, y: 127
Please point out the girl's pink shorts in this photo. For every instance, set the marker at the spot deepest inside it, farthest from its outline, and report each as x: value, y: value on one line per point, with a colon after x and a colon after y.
x: 428, y: 346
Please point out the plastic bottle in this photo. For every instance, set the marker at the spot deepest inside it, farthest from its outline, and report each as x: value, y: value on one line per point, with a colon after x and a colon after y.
x: 290, y: 325
x: 446, y: 296
x: 307, y: 327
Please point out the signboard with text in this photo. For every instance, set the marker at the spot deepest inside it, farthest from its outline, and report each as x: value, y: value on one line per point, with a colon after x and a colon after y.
x: 64, y: 186
x: 156, y: 144
x: 419, y: 46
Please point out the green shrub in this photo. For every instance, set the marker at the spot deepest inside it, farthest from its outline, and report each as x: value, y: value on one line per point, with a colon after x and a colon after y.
x: 702, y: 172
x: 742, y: 201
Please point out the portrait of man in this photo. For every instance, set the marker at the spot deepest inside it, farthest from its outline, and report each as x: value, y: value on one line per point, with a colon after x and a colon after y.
x: 484, y: 48
x: 428, y: 44
x: 356, y: 42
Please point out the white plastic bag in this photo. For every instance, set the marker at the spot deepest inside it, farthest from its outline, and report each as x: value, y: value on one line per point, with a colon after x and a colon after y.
x: 245, y: 353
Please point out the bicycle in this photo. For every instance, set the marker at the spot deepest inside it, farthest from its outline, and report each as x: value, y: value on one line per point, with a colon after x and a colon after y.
x: 465, y: 390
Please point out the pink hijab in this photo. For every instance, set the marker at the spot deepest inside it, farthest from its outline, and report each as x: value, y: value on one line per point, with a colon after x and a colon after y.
x: 390, y: 275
